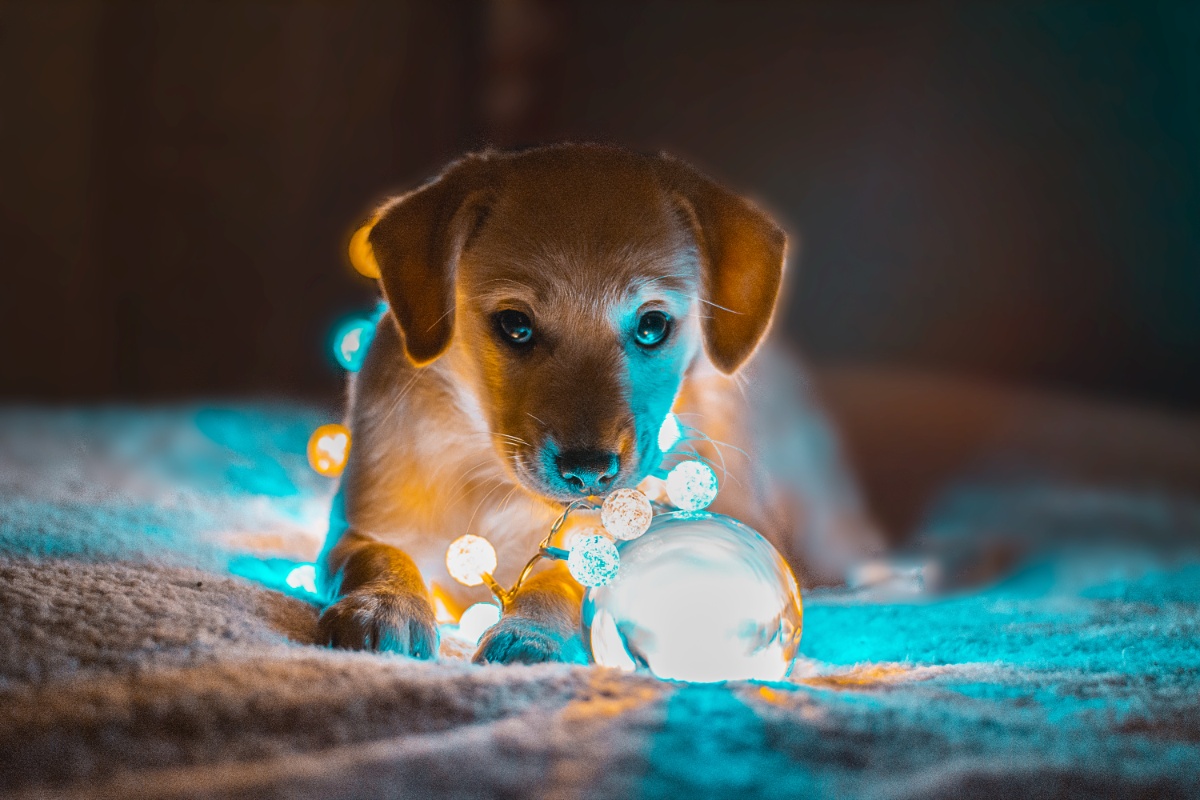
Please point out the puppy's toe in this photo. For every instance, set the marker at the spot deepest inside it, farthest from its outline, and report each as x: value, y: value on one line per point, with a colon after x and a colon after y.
x: 383, y: 620
x: 520, y: 641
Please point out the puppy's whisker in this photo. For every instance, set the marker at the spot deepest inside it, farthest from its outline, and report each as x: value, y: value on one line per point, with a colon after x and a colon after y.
x: 479, y: 505
x: 508, y: 497
x: 717, y: 443
x: 447, y: 313
x: 398, y: 400
x: 725, y: 474
x: 700, y: 299
x: 461, y: 485
x: 537, y: 419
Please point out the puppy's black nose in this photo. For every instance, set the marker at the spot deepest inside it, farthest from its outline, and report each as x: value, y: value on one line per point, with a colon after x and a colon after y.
x: 588, y: 471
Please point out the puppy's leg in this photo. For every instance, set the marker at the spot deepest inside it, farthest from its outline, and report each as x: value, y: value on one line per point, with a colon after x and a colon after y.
x: 383, y: 602
x: 540, y: 624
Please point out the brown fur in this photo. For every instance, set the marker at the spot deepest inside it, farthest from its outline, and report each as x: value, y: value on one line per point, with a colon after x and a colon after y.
x: 456, y: 430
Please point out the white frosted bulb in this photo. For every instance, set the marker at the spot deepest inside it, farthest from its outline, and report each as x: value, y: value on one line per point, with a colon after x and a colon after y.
x: 469, y: 557
x: 303, y: 577
x: 626, y: 513
x: 692, y: 486
x: 594, y: 560
x: 669, y: 433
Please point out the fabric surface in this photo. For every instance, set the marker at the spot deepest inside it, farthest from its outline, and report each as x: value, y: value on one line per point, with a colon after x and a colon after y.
x: 1062, y: 658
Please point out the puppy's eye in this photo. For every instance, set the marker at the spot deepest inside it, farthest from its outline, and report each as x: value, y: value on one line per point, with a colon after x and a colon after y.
x: 652, y: 329
x: 514, y: 327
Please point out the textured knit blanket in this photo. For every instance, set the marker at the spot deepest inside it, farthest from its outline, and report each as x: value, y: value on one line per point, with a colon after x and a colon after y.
x: 148, y: 647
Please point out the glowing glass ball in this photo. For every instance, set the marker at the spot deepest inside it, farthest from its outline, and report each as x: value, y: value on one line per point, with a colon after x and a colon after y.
x: 328, y: 448
x: 691, y: 485
x: 594, y: 560
x: 351, y: 342
x: 469, y: 558
x: 626, y: 513
x: 700, y: 597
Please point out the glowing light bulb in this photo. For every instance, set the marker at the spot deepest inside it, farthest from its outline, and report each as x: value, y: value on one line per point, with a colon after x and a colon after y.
x: 594, y: 560
x: 328, y: 448
x: 476, y: 620
x: 362, y: 258
x: 626, y: 513
x: 654, y: 488
x: 469, y: 558
x: 701, y: 597
x: 303, y: 577
x: 351, y: 342
x: 670, y: 432
x: 692, y: 486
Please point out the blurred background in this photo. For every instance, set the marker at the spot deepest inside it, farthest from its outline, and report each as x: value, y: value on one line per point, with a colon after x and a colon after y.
x: 1007, y: 191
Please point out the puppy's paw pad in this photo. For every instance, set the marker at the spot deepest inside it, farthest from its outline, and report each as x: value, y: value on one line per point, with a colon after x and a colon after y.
x: 518, y: 641
x: 382, y: 620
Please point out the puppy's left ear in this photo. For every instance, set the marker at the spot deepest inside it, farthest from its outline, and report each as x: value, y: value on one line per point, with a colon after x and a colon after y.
x: 416, y: 241
x: 742, y: 253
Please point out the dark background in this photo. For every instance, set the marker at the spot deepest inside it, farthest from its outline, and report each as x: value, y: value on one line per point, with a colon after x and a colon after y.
x: 1003, y: 190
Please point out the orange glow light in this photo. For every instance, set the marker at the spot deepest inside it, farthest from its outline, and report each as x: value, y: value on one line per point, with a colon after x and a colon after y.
x: 328, y: 448
x: 361, y: 256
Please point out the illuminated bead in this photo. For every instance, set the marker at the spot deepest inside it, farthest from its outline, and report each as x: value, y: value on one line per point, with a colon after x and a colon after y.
x: 701, y: 597
x: 626, y: 513
x: 691, y: 485
x: 351, y: 342
x: 654, y: 488
x: 477, y: 619
x: 594, y: 560
x: 303, y: 577
x: 361, y: 256
x: 469, y: 558
x: 669, y: 433
x: 328, y: 448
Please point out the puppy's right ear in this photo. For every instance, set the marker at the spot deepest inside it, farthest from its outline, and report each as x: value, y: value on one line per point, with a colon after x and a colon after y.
x: 416, y: 240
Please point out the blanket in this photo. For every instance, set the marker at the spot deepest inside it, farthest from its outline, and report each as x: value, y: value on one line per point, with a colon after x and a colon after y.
x: 151, y: 648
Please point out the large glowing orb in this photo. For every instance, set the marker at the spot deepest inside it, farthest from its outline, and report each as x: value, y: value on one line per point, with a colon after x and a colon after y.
x: 699, y: 597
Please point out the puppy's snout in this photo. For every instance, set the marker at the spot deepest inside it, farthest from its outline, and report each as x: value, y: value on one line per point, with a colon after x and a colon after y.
x: 588, y: 471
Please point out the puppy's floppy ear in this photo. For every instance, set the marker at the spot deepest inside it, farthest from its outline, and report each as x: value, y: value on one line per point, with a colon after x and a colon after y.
x: 416, y: 240
x: 742, y: 252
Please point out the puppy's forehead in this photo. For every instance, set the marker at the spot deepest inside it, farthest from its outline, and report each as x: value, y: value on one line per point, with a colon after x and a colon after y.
x: 595, y: 226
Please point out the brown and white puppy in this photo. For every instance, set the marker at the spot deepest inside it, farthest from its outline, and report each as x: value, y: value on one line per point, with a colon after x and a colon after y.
x: 548, y: 309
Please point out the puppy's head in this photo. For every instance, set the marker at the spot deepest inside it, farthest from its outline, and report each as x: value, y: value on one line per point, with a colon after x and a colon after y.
x: 572, y: 287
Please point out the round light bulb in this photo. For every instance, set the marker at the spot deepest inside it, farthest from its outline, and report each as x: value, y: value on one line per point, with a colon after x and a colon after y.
x: 691, y: 486
x: 476, y: 620
x: 362, y: 258
x: 351, y: 342
x: 328, y: 448
x: 303, y: 577
x: 469, y: 558
x: 626, y: 513
x: 594, y: 560
x: 669, y: 433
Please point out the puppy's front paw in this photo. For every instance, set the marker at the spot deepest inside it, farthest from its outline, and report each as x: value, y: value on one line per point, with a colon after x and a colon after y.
x: 515, y: 640
x: 382, y: 619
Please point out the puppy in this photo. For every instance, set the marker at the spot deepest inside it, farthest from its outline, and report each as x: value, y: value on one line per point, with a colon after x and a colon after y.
x: 548, y: 308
